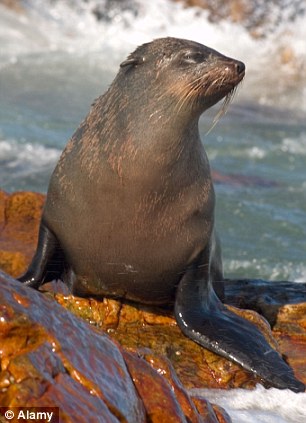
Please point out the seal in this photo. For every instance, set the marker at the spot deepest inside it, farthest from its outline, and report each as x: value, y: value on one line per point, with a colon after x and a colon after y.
x: 130, y: 207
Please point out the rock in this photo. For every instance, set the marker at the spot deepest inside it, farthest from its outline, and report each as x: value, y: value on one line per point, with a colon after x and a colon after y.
x: 191, y: 405
x: 259, y: 18
x: 265, y: 297
x: 290, y: 333
x: 15, y: 5
x: 235, y: 10
x: 211, y: 412
x: 49, y: 357
x: 19, y: 223
x: 3, y: 197
x: 139, y: 327
x: 159, y: 406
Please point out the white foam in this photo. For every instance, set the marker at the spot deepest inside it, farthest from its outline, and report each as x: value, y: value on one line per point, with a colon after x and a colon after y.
x: 257, y: 153
x: 72, y: 27
x: 295, y: 145
x: 259, y: 268
x: 25, y: 158
x: 259, y: 405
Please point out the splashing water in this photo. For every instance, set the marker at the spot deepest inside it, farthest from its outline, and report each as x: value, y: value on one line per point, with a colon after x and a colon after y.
x: 259, y: 405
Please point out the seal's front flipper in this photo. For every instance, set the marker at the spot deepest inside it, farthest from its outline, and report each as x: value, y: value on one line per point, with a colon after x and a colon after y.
x: 48, y: 261
x: 203, y: 318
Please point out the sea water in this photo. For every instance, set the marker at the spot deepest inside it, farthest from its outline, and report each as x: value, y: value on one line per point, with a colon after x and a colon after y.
x: 56, y: 57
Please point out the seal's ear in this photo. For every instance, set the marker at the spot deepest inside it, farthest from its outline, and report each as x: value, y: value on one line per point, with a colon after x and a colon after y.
x: 133, y: 61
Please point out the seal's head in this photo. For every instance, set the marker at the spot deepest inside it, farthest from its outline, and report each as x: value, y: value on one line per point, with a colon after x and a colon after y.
x: 181, y: 73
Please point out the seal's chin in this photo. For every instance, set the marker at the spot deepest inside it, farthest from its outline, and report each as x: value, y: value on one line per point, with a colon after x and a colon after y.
x: 225, y: 92
x: 228, y: 97
x: 240, y: 78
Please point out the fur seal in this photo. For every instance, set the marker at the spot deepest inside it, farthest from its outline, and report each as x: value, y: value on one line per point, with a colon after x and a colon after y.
x: 130, y: 206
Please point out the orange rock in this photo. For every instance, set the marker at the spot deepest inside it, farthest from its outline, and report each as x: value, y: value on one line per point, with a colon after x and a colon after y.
x: 211, y: 413
x: 3, y: 197
x: 20, y: 214
x: 290, y: 333
x: 196, y: 367
x: 255, y: 18
x: 15, y: 5
x: 49, y: 357
x: 165, y: 368
x: 291, y: 319
x: 235, y: 10
x: 160, y: 402
x: 13, y: 262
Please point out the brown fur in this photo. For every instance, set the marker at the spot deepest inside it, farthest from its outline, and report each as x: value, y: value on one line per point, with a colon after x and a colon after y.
x: 133, y: 186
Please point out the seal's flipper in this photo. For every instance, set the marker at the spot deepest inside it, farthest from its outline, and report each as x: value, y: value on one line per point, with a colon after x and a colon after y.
x: 48, y: 261
x: 203, y: 318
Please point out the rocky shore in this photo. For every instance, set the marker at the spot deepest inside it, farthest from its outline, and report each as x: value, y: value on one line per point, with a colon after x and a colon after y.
x: 119, y: 361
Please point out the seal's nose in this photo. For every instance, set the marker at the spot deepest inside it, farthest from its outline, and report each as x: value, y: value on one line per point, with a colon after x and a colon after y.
x: 240, y: 67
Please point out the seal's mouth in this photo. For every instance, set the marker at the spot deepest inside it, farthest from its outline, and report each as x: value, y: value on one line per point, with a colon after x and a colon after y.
x: 221, y: 79
x: 218, y: 81
x: 240, y: 77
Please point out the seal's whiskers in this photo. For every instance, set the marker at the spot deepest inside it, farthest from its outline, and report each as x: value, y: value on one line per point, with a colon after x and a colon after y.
x: 225, y: 105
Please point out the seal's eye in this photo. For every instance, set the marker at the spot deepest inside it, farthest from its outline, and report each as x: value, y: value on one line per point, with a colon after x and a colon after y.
x: 192, y: 57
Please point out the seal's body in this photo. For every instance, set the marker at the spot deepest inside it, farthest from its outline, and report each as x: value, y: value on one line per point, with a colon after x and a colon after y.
x: 130, y: 206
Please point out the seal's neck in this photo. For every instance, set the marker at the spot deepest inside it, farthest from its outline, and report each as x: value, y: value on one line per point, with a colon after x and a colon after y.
x: 144, y: 133
x: 173, y: 139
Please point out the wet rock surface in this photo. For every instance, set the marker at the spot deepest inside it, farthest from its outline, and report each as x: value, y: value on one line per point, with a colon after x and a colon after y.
x: 141, y: 329
x: 50, y: 357
x: 118, y: 361
x: 19, y: 223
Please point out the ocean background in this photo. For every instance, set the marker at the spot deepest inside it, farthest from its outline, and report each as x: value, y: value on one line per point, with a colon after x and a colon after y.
x: 56, y: 57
